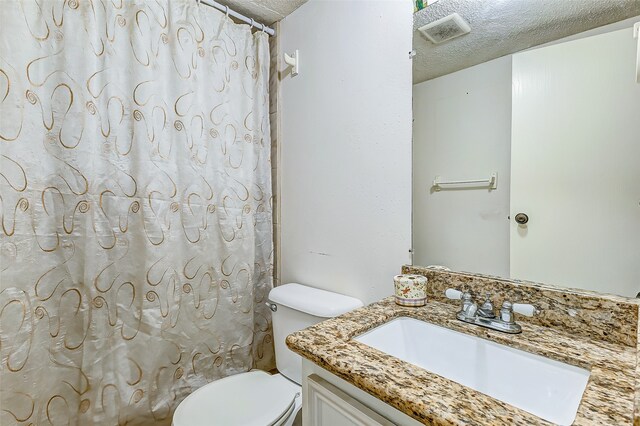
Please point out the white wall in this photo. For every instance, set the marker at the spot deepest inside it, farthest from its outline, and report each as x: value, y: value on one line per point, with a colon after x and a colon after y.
x: 462, y: 130
x: 346, y: 146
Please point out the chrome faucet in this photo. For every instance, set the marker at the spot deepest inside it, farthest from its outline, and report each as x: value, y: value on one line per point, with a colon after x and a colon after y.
x: 485, y: 315
x: 486, y: 310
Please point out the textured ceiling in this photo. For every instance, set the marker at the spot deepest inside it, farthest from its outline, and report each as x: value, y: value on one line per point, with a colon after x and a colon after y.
x: 264, y: 11
x: 502, y: 27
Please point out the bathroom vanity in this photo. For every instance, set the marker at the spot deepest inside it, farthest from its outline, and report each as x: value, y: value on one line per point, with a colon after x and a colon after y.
x: 585, y: 343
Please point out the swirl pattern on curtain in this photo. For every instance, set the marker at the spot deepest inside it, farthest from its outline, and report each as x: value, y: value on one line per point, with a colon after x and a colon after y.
x: 135, y: 203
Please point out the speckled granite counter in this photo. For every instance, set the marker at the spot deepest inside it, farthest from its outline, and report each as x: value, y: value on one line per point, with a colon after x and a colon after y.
x: 611, y: 396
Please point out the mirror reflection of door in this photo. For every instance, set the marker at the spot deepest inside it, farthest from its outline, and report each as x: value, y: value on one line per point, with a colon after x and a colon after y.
x: 575, y: 164
x: 560, y: 125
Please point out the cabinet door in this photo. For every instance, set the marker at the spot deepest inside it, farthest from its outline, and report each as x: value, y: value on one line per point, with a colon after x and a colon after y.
x: 326, y: 405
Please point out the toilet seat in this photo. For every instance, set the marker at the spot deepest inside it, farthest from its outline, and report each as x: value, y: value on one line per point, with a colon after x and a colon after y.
x: 254, y: 398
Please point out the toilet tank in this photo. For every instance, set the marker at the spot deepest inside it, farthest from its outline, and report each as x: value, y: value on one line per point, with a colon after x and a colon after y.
x: 297, y: 307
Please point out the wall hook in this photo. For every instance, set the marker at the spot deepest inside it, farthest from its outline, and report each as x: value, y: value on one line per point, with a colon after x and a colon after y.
x: 294, y: 62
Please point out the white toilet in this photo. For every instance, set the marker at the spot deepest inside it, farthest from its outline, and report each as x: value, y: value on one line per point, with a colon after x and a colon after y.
x: 256, y: 398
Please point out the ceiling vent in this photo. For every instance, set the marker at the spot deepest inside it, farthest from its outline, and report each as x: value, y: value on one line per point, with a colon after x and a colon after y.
x: 446, y: 28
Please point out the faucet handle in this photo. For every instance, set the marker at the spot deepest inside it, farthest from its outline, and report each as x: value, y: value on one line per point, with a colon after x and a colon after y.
x: 470, y: 310
x: 465, y: 297
x: 508, y: 308
x: 525, y: 309
x: 453, y: 294
x: 506, y: 312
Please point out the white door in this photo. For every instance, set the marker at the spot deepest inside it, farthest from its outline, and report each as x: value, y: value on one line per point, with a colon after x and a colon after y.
x: 575, y: 165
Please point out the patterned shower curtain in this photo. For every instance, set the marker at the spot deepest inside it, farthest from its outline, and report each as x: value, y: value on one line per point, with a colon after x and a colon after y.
x: 135, y: 203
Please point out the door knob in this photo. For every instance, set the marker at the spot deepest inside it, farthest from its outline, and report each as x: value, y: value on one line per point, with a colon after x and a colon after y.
x: 521, y: 218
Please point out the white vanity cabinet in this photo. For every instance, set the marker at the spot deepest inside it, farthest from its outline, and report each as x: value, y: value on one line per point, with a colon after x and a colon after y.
x: 331, y: 401
x: 327, y: 405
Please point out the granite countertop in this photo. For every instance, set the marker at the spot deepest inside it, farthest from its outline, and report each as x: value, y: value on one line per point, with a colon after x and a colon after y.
x: 609, y: 398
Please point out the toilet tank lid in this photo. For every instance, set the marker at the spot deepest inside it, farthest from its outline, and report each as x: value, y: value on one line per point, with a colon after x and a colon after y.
x: 313, y: 301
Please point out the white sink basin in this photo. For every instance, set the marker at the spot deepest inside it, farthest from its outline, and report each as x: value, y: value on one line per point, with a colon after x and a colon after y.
x: 546, y: 388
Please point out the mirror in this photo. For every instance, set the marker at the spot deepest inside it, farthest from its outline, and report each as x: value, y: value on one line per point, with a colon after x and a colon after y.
x: 526, y: 142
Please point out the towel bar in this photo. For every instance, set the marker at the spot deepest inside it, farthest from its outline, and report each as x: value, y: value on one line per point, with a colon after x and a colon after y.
x: 491, y: 182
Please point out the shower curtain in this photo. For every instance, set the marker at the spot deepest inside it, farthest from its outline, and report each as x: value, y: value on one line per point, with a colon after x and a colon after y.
x: 135, y: 203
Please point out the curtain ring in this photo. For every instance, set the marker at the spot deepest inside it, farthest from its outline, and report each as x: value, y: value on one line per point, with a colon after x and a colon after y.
x: 263, y: 27
x: 252, y: 25
x: 198, y: 2
x: 226, y: 12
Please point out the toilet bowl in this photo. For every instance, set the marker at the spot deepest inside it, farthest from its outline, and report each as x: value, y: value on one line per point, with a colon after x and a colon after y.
x: 257, y: 398
x: 254, y: 398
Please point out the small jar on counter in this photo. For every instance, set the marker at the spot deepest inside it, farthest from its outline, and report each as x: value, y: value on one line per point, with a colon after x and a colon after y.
x: 411, y: 290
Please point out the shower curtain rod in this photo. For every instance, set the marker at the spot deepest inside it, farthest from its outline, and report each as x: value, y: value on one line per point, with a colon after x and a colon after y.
x: 241, y: 17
